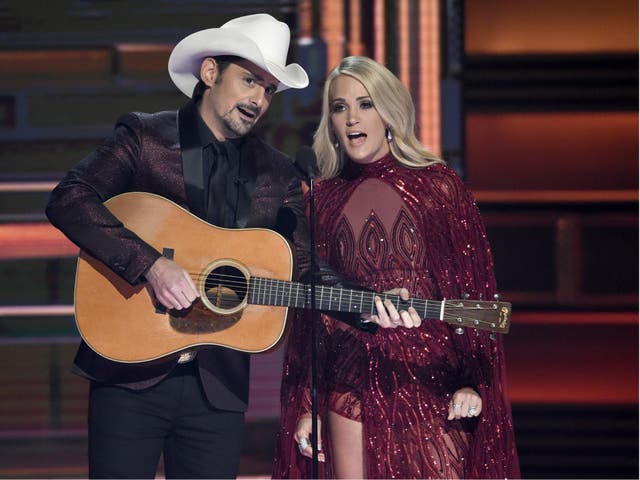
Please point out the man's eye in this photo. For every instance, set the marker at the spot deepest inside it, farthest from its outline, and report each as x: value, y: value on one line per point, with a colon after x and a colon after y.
x: 271, y: 90
x: 250, y: 81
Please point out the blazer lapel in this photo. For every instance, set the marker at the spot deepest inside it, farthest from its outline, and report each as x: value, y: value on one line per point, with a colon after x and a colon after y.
x: 247, y: 183
x: 191, y: 149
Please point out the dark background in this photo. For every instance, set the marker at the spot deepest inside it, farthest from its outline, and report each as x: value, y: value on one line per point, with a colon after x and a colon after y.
x: 539, y: 114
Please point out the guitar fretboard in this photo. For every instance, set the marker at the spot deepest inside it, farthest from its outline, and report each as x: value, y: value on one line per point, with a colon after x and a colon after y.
x: 266, y: 291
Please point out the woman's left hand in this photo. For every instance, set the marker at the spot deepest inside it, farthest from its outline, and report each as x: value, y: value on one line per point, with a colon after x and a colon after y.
x: 389, y: 317
x: 465, y: 403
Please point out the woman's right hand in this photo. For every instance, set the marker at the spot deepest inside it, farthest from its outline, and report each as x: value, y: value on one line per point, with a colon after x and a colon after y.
x: 302, y: 437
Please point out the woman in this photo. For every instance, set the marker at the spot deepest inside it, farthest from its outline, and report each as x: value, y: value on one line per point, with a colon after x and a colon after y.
x: 420, y: 402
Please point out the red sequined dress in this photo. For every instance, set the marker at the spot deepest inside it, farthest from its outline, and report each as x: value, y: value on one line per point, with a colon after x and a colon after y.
x: 384, y: 226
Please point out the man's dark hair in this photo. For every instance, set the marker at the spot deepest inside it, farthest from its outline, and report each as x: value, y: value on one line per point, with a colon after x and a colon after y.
x: 223, y: 61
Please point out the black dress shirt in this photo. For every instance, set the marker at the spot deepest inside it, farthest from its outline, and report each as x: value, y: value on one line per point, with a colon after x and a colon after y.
x: 223, y: 175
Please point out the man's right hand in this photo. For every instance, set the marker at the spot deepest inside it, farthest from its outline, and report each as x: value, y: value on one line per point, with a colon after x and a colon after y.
x: 171, y: 284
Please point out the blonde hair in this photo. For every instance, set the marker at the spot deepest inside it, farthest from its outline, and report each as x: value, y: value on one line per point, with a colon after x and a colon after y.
x: 393, y: 103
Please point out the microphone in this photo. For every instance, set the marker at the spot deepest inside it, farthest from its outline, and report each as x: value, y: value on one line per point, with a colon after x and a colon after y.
x: 306, y: 163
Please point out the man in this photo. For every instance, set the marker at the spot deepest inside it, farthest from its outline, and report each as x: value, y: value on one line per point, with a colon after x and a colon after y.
x: 189, y: 407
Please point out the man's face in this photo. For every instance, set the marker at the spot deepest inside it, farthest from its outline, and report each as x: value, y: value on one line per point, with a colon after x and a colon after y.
x: 236, y: 98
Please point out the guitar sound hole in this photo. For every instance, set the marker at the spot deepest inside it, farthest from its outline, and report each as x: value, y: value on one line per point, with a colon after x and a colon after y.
x: 226, y: 287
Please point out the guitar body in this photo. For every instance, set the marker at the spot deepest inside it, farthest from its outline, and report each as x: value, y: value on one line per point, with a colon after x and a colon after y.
x: 121, y: 322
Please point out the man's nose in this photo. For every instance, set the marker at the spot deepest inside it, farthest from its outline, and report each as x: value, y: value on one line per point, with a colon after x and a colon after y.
x: 258, y: 97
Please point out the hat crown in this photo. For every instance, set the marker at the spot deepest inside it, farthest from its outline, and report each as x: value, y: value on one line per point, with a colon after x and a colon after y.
x: 270, y: 35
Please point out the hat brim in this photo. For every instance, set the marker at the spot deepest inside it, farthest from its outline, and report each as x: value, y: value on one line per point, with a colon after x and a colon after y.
x: 186, y: 58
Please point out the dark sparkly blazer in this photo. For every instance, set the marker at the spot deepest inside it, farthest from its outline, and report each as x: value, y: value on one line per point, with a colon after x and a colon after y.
x: 161, y: 153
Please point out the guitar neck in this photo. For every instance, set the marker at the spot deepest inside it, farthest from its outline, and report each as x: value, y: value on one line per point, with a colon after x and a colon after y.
x: 265, y: 291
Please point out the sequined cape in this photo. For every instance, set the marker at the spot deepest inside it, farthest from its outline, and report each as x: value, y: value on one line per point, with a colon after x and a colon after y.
x: 385, y: 225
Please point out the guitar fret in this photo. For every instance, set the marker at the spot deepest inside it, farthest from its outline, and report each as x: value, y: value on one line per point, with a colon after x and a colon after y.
x: 265, y: 293
x: 286, y: 297
x: 265, y: 286
x: 256, y: 297
x: 273, y: 293
x: 270, y: 292
x: 278, y: 293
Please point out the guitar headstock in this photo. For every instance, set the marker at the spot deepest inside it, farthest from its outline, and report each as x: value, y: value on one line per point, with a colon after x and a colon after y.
x: 484, y: 315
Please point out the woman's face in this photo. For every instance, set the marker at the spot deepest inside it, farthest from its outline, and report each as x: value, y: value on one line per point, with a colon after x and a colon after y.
x: 355, y: 121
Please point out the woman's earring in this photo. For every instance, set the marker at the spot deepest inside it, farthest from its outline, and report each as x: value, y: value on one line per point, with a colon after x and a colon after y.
x: 337, y: 145
x: 389, y: 135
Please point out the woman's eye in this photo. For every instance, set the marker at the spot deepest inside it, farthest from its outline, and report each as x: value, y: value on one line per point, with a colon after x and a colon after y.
x: 366, y: 105
x: 337, y: 107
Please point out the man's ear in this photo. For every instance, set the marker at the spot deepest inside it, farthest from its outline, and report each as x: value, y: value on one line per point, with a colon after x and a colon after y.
x: 209, y: 71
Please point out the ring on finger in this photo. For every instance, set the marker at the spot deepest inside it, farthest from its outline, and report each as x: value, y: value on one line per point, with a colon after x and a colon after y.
x: 303, y: 444
x: 473, y: 410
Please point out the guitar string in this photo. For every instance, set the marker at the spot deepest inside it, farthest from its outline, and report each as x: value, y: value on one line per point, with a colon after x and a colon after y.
x: 368, y: 300
x: 241, y: 282
x: 281, y: 285
x: 454, y: 319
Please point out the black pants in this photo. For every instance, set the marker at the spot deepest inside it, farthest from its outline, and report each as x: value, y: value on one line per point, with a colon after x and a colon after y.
x: 128, y: 430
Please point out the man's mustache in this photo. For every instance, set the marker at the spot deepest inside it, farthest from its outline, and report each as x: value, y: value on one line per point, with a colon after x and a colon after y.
x: 249, y: 108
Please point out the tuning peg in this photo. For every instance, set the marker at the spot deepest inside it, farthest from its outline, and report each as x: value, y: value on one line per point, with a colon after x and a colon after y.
x: 465, y: 296
x: 459, y: 331
x: 496, y: 297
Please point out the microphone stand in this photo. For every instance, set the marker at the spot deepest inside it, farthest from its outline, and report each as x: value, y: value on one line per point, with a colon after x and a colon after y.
x: 314, y: 372
x: 305, y: 163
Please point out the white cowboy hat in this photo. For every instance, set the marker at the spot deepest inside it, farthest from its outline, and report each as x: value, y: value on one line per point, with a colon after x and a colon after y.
x: 259, y: 38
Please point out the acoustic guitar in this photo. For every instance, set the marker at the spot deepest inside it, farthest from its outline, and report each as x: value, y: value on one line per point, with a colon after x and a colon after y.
x: 244, y: 280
